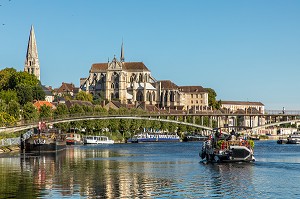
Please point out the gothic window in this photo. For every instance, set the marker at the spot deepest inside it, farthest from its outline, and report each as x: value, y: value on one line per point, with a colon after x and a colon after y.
x: 153, y: 96
x: 139, y: 96
x: 112, y: 85
x: 32, y: 71
x: 117, y: 95
x: 112, y: 96
x: 172, y: 97
x: 149, y: 97
x: 141, y: 78
x: 117, y: 85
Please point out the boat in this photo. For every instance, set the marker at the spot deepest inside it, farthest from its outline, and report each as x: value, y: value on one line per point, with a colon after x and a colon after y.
x: 73, y: 139
x: 254, y: 137
x: 46, y: 141
x: 191, y: 138
x: 154, y: 137
x: 97, y: 140
x: 221, y: 147
x: 294, y: 138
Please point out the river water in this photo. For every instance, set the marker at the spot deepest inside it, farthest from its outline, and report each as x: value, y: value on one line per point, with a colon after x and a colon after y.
x: 151, y: 170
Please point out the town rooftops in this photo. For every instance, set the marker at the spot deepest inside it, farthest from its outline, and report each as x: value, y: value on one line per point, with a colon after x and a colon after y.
x: 129, y: 66
x: 38, y: 104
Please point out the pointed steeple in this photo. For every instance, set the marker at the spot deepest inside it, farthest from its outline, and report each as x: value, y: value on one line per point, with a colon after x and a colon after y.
x: 122, y: 59
x: 32, y: 64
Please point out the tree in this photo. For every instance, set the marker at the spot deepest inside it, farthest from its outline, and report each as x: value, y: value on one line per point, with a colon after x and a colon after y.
x: 8, y: 95
x: 38, y: 93
x: 24, y: 93
x: 5, y: 78
x: 6, y: 119
x: 45, y: 112
x: 30, y: 113
x: 212, y: 98
x: 83, y: 96
x: 13, y: 109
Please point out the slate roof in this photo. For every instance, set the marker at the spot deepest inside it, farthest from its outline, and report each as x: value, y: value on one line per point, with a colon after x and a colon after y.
x: 168, y: 84
x: 192, y: 89
x: 128, y: 66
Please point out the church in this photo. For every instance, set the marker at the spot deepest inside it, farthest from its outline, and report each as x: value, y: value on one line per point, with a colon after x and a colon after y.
x: 132, y: 83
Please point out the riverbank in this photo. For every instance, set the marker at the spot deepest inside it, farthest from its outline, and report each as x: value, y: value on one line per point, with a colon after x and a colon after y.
x: 8, y: 149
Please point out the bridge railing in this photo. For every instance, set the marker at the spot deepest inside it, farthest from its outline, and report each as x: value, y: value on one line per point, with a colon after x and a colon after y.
x: 10, y: 141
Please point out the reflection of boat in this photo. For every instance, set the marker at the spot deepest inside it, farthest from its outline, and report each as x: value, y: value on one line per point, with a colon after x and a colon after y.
x: 190, y: 138
x: 292, y: 139
x: 97, y: 140
x: 224, y: 148
x: 154, y: 137
x: 49, y: 140
x: 73, y: 139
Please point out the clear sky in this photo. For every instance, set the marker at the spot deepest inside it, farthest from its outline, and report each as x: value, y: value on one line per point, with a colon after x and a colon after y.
x: 244, y: 50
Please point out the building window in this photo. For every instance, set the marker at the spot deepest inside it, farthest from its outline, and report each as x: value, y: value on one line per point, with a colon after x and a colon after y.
x: 197, y: 102
x: 196, y: 95
x: 192, y: 102
x: 192, y: 96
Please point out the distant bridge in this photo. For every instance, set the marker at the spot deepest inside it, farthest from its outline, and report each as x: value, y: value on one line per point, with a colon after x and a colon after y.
x: 289, y: 116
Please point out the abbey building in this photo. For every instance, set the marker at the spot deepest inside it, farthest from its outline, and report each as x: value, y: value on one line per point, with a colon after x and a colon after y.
x: 132, y: 83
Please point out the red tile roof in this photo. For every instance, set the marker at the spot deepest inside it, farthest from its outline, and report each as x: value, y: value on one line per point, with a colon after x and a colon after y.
x: 38, y: 104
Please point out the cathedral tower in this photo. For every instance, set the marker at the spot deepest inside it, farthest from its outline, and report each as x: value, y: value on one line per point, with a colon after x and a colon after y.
x: 32, y: 64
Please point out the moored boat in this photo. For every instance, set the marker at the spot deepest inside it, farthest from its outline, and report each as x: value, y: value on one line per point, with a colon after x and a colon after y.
x: 97, y: 140
x: 154, y: 137
x: 73, y: 139
x: 294, y: 138
x: 224, y: 148
x: 47, y: 141
x: 193, y: 138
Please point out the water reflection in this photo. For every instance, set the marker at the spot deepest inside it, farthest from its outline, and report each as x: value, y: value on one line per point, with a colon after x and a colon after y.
x: 146, y: 171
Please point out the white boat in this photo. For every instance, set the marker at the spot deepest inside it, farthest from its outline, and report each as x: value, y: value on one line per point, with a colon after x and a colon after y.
x: 294, y: 138
x: 97, y: 140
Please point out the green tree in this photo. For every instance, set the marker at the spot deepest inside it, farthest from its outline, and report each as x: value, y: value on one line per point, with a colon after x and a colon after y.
x: 29, y: 112
x: 61, y: 111
x: 5, y: 78
x: 8, y: 95
x: 6, y: 119
x: 45, y: 112
x: 212, y: 102
x: 13, y: 109
x: 83, y: 96
x: 38, y: 93
x: 24, y: 93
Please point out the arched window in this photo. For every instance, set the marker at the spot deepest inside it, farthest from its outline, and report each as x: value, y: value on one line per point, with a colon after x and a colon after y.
x: 139, y: 96
x: 112, y: 85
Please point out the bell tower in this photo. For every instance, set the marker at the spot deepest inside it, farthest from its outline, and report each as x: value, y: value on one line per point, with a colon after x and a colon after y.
x: 32, y: 64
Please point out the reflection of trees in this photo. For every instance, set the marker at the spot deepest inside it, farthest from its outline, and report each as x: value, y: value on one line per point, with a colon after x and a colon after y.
x: 88, y: 172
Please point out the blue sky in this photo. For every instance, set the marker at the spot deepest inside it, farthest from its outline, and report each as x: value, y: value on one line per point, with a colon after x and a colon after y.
x: 244, y: 50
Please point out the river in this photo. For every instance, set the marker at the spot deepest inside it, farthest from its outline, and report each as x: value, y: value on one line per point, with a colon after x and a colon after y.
x: 151, y: 170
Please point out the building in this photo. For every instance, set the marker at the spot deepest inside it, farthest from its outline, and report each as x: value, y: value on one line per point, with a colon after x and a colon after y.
x: 132, y: 83
x: 66, y: 89
x: 248, y: 112
x: 32, y: 64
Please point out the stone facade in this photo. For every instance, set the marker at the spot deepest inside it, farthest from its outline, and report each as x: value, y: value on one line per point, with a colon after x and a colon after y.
x: 132, y: 83
x: 32, y: 64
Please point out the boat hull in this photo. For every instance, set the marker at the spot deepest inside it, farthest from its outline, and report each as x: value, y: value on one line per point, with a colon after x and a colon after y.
x: 45, y: 148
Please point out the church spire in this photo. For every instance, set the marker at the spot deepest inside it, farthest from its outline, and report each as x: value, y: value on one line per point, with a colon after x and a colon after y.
x: 32, y: 65
x: 122, y: 59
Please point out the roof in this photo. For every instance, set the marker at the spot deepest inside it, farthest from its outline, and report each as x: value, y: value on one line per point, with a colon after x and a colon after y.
x: 190, y: 89
x: 168, y: 84
x: 38, y: 104
x: 129, y: 66
x: 47, y: 90
x: 242, y: 103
